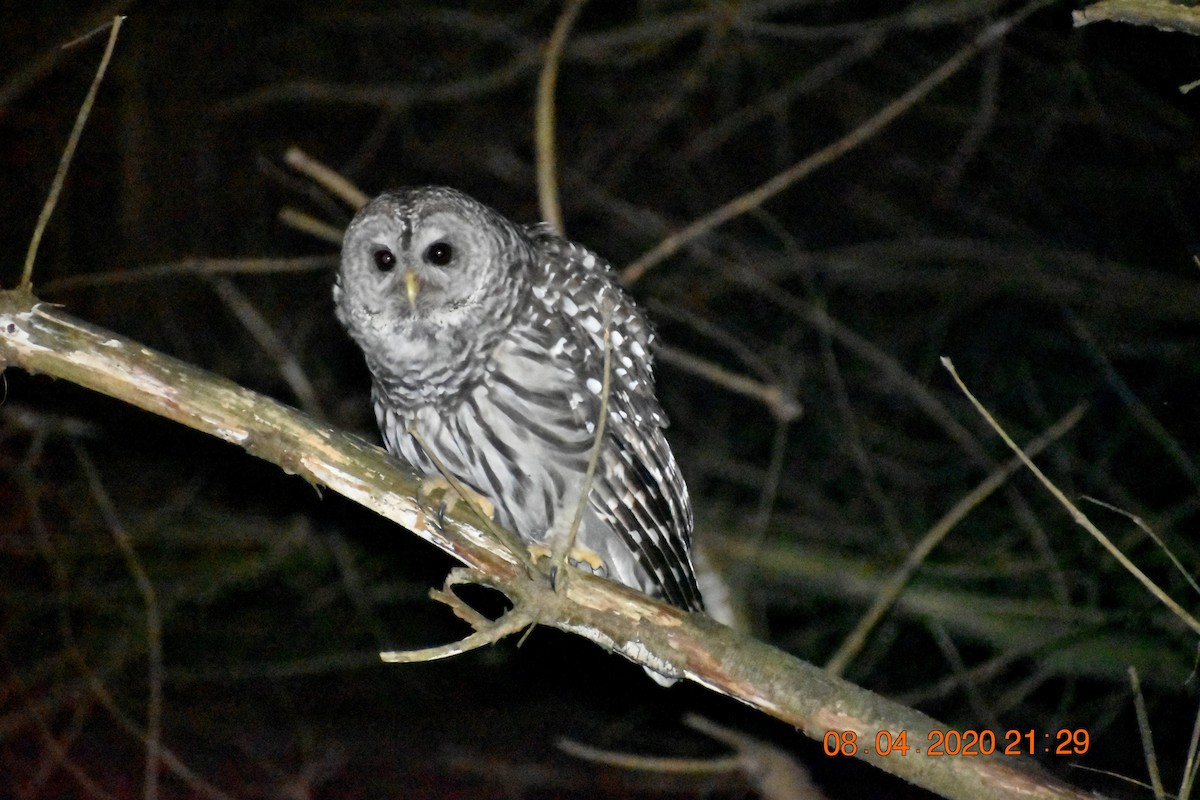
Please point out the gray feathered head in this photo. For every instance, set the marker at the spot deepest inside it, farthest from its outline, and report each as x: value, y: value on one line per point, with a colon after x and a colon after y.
x: 425, y: 264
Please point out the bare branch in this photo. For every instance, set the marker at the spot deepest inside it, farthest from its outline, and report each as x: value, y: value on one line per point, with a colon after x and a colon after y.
x: 1162, y: 14
x: 40, y: 338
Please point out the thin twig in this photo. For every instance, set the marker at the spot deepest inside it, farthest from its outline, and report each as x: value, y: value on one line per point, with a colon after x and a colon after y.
x: 1137, y: 407
x: 38, y: 67
x: 272, y: 344
x: 856, y: 639
x: 744, y: 577
x: 325, y: 177
x: 981, y: 124
x: 192, y: 266
x: 982, y: 709
x: 770, y: 487
x: 1077, y: 516
x: 1143, y: 720
x: 57, y: 754
x: 547, y: 176
x: 447, y: 597
x: 508, y: 624
x: 1146, y: 529
x: 154, y: 626
x: 1192, y: 764
x: 354, y: 583
x: 855, y: 445
x: 668, y: 766
x: 307, y: 223
x: 486, y: 631
x: 779, y: 100
x: 64, y: 163
x: 775, y: 773
x: 828, y: 154
x: 86, y: 37
x: 782, y: 405
x: 172, y: 762
x: 748, y: 354
x: 566, y: 544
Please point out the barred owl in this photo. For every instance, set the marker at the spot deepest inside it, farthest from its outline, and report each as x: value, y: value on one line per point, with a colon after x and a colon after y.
x: 487, y: 338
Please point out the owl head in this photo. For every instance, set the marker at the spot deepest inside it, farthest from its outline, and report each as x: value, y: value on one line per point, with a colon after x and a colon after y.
x: 427, y: 265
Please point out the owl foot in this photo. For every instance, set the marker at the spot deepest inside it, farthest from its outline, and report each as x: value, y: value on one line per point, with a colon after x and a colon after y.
x: 451, y: 497
x: 580, y: 557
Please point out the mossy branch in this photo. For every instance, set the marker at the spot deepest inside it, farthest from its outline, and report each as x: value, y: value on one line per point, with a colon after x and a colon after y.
x: 41, y: 338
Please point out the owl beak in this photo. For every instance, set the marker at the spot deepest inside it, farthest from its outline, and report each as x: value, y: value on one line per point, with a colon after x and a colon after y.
x: 412, y: 285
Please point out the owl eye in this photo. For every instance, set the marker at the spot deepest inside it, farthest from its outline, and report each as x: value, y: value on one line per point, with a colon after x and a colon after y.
x: 384, y: 260
x: 439, y: 254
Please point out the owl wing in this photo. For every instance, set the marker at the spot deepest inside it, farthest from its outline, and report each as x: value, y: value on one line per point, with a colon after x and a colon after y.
x: 638, y: 490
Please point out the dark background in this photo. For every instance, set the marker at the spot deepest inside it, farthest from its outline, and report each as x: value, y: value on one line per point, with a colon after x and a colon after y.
x: 1034, y: 218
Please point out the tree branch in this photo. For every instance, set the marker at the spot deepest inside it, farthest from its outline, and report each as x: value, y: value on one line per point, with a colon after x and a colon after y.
x: 41, y: 338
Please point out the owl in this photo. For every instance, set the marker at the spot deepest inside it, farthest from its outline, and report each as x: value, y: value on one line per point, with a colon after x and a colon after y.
x: 488, y: 339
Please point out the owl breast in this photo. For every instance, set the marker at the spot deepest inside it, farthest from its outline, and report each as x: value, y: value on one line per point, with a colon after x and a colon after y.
x: 513, y: 436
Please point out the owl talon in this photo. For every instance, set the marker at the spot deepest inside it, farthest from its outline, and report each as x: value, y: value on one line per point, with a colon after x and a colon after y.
x: 450, y: 498
x: 588, y: 560
x: 582, y: 558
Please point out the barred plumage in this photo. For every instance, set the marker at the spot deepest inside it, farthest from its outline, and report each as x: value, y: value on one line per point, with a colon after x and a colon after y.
x: 488, y: 339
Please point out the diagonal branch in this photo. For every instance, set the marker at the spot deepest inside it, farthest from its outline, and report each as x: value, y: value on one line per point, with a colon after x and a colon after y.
x: 41, y: 338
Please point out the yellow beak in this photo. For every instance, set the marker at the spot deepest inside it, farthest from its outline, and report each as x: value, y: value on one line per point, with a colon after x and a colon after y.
x: 412, y: 285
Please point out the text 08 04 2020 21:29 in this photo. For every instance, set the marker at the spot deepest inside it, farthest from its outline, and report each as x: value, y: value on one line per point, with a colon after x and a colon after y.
x: 1063, y: 742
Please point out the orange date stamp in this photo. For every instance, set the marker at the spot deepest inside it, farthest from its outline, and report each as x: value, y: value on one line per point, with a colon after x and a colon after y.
x: 1063, y: 742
